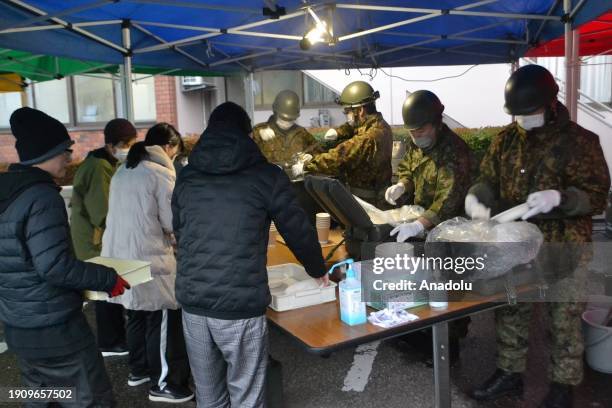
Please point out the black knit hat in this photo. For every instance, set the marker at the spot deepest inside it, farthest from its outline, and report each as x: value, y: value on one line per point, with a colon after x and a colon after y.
x: 231, y: 115
x: 39, y: 136
x: 119, y: 130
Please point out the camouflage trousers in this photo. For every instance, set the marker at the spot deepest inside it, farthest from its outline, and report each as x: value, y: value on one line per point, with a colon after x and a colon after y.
x: 512, y: 330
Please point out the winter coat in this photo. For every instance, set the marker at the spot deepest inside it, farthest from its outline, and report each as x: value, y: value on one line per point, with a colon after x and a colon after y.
x: 89, y: 202
x: 222, y: 207
x: 41, y: 281
x: 139, y: 226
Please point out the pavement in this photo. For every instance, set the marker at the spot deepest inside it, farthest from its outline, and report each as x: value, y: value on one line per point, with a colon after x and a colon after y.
x: 389, y: 374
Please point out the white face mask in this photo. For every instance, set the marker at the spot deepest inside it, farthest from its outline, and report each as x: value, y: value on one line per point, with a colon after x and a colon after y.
x: 350, y: 118
x: 424, y: 142
x: 284, y: 124
x: 529, y: 122
x: 121, y: 154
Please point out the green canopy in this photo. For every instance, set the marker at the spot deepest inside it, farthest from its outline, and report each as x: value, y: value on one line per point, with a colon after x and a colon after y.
x: 39, y: 68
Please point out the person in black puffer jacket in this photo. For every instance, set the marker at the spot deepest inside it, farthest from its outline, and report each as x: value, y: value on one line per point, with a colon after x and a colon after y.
x: 222, y: 206
x: 41, y: 281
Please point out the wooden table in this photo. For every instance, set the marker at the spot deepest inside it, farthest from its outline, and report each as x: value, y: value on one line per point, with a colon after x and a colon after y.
x: 318, y: 329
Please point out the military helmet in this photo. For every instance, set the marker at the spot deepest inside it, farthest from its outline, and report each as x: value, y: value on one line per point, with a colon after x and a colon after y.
x: 420, y: 108
x: 356, y: 94
x: 528, y: 89
x: 286, y: 105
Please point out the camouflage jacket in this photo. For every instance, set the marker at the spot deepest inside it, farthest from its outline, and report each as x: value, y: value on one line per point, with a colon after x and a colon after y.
x: 561, y: 156
x: 438, y: 179
x: 362, y: 161
x: 286, y: 144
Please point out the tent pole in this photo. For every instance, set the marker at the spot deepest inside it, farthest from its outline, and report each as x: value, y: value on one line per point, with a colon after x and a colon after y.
x: 576, y: 66
x: 126, y: 73
x: 570, y: 66
x: 249, y: 96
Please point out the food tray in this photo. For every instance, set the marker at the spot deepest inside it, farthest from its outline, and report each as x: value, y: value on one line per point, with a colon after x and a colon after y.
x: 134, y: 272
x: 279, y: 278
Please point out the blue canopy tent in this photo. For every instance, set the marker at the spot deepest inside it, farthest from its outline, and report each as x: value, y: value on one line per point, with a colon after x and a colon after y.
x: 233, y: 36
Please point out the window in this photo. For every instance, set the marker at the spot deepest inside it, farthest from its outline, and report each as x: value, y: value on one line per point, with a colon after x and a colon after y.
x: 94, y: 99
x: 143, y: 90
x: 9, y: 101
x: 51, y: 97
x: 269, y: 83
x: 317, y: 93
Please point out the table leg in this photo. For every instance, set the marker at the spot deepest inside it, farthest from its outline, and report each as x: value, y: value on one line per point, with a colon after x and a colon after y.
x: 441, y: 366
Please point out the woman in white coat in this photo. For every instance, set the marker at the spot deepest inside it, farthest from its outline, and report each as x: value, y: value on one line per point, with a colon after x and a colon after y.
x: 139, y: 226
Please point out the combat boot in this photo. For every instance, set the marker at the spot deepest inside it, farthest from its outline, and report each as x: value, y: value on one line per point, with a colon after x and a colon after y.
x: 501, y: 383
x: 559, y: 396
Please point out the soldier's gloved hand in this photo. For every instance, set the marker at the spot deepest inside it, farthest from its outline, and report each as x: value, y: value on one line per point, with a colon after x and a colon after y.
x: 475, y: 209
x: 305, y: 157
x: 267, y: 134
x: 409, y: 230
x: 542, y: 202
x: 297, y: 169
x: 394, y: 192
x: 331, y: 135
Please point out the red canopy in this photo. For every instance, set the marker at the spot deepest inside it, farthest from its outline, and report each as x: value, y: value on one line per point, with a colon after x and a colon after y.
x: 595, y: 39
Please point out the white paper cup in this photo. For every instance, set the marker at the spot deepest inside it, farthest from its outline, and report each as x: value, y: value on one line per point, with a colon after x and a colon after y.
x: 272, y: 235
x: 323, y: 223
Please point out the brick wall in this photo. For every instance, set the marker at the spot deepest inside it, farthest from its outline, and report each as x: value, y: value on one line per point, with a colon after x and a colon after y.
x: 87, y: 140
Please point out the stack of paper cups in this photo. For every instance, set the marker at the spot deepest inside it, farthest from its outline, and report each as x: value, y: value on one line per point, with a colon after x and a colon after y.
x: 323, y: 222
x: 272, y: 235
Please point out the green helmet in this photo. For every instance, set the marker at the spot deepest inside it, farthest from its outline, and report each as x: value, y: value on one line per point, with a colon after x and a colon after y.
x: 286, y: 105
x: 420, y: 108
x: 356, y: 94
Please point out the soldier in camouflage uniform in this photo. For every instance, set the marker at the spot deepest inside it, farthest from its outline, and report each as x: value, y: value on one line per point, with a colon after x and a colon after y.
x: 558, y: 168
x: 363, y: 159
x: 437, y: 168
x: 280, y: 139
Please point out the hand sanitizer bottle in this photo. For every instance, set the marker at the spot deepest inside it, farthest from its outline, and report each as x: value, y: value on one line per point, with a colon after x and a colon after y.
x: 352, y: 309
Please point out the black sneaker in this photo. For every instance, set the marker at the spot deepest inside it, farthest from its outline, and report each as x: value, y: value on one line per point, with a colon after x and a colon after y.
x: 169, y: 394
x: 120, y: 350
x: 136, y: 380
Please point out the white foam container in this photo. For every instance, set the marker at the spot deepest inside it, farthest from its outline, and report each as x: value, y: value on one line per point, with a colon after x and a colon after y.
x: 134, y: 272
x: 282, y: 302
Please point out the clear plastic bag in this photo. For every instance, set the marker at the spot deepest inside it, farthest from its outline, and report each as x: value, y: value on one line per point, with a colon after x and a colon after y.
x: 505, y: 245
x: 395, y: 217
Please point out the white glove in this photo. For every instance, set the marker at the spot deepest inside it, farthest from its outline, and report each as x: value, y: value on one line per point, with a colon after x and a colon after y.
x: 267, y: 134
x: 297, y: 169
x: 542, y: 202
x: 305, y: 157
x: 408, y: 230
x: 475, y: 209
x: 331, y: 135
x: 394, y: 192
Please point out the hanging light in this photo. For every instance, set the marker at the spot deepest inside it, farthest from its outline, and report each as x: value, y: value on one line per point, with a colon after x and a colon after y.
x: 318, y: 33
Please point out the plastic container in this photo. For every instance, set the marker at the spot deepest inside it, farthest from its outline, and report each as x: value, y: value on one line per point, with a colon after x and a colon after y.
x: 352, y: 309
x: 134, y: 272
x: 597, y: 340
x: 280, y: 277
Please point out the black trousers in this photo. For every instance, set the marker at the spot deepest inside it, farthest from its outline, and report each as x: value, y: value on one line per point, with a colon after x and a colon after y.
x: 157, y: 346
x: 111, y: 325
x: 83, y: 370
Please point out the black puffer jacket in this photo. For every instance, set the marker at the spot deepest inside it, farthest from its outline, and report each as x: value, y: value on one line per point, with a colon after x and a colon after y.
x: 40, y: 279
x: 222, y: 206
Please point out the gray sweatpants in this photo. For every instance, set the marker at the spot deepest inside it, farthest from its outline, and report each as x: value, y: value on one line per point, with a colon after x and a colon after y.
x: 228, y: 360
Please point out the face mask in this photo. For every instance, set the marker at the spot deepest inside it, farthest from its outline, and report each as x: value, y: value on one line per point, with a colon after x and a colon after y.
x: 284, y: 124
x: 529, y: 122
x: 350, y: 118
x: 424, y: 142
x: 121, y: 154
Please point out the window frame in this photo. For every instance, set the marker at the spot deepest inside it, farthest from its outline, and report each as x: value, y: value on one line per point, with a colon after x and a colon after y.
x: 301, y: 94
x: 73, y: 125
